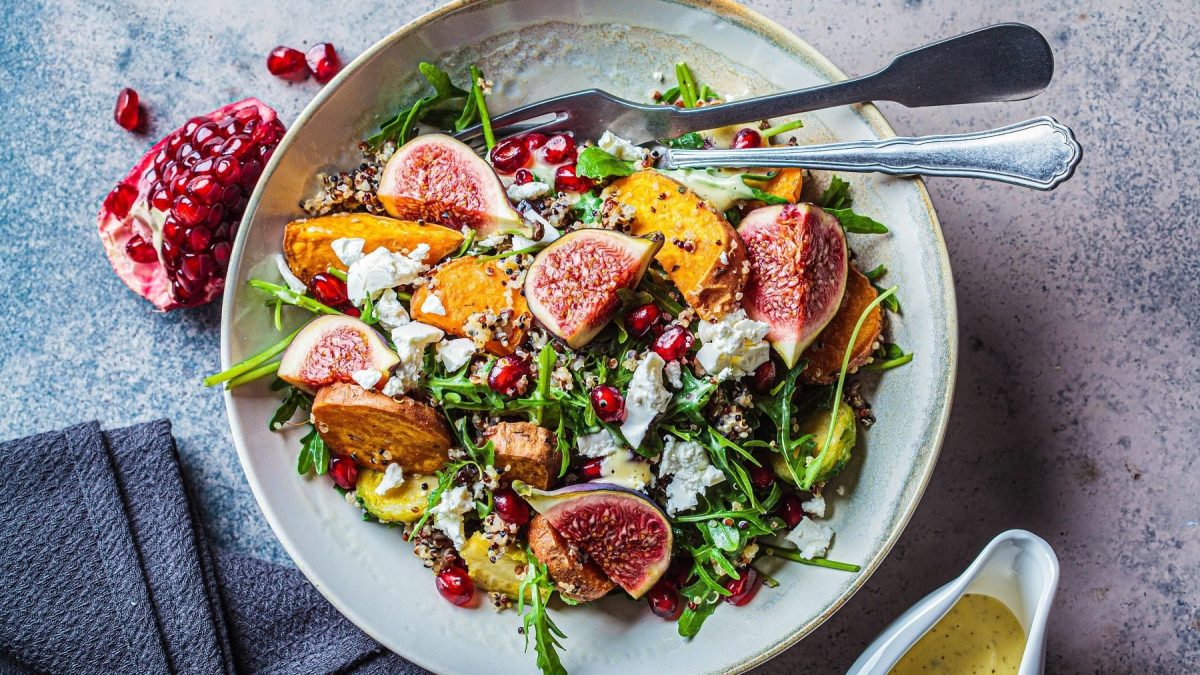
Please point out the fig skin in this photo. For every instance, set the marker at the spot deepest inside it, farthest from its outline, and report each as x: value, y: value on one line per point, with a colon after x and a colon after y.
x: 576, y: 578
x: 437, y: 179
x: 572, y: 285
x: 798, y: 267
x: 330, y: 349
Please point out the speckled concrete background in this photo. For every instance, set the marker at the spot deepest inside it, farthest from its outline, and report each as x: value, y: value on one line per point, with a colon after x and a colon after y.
x: 1078, y: 387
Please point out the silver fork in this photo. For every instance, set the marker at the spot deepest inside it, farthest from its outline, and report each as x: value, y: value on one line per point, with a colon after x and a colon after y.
x: 1005, y: 62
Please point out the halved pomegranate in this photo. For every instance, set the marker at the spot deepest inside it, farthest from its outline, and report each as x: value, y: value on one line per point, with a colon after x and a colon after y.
x: 169, y: 225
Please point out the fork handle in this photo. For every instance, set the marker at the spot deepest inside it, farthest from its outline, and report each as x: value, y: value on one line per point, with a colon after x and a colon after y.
x: 1039, y: 153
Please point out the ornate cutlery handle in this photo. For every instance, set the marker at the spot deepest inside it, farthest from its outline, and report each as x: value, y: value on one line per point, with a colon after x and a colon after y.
x: 1039, y: 153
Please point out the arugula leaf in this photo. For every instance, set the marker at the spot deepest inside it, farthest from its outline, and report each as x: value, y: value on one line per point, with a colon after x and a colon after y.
x: 313, y: 454
x: 481, y: 106
x: 688, y: 403
x: 693, y: 618
x: 290, y: 297
x: 294, y: 400
x: 536, y: 588
x: 836, y: 196
x: 689, y: 141
x: 587, y: 209
x: 766, y: 197
x: 782, y: 128
x: 598, y: 164
x: 778, y: 406
x: 875, y: 273
x: 856, y: 223
x: 252, y: 363
x: 402, y: 127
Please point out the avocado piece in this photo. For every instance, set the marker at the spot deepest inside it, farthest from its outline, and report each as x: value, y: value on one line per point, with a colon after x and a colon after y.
x: 845, y: 434
x: 503, y: 576
x: 403, y: 504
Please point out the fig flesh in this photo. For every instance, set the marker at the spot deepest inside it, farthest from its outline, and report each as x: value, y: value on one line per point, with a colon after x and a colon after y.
x: 798, y: 267
x: 621, y: 530
x: 331, y: 349
x: 573, y: 283
x: 437, y: 179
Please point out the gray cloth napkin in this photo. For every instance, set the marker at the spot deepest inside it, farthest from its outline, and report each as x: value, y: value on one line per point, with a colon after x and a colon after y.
x: 104, y: 568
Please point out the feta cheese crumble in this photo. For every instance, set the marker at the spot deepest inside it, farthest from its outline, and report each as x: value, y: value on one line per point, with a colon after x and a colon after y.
x: 455, y: 354
x: 381, y: 269
x: 293, y: 282
x: 814, y: 506
x: 447, y: 514
x: 367, y: 379
x: 625, y: 469
x: 433, y: 304
x: 531, y: 190
x: 687, y: 464
x: 410, y: 340
x: 674, y: 374
x: 811, y: 538
x: 348, y: 249
x: 620, y: 148
x: 599, y: 444
x: 390, y: 311
x: 733, y: 346
x: 645, y: 399
x: 393, y: 477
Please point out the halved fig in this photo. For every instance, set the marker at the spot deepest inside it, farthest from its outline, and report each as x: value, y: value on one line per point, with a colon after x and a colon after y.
x: 572, y: 285
x: 625, y: 533
x: 825, y: 354
x: 798, y: 267
x: 438, y: 179
x: 331, y: 349
x: 575, y: 576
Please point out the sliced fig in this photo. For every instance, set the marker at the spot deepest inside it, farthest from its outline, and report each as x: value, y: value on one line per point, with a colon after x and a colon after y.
x: 573, y: 283
x: 331, y: 349
x: 437, y: 179
x: 798, y: 266
x: 622, y: 531
x: 168, y: 226
x: 575, y: 576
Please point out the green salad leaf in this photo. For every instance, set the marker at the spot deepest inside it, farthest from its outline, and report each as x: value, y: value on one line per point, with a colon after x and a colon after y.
x: 599, y: 164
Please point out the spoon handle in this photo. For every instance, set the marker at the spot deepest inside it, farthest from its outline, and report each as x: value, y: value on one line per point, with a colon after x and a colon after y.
x: 1039, y: 153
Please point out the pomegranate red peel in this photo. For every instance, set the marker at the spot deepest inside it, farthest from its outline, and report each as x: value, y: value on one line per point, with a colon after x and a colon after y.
x: 162, y: 206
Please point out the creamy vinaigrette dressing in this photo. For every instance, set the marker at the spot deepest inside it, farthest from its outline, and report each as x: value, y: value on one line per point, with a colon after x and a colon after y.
x: 978, y: 636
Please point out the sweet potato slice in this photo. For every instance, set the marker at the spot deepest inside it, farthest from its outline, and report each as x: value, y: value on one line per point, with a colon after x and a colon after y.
x: 575, y: 577
x: 826, y: 352
x: 786, y: 184
x: 376, y: 430
x: 702, y: 254
x: 525, y: 452
x: 306, y: 243
x: 475, y: 299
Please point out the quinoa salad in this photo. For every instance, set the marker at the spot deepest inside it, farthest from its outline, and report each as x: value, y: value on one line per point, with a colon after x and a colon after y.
x: 562, y: 374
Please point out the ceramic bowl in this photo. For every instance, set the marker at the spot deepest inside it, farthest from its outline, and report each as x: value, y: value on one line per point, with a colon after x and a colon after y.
x: 533, y: 50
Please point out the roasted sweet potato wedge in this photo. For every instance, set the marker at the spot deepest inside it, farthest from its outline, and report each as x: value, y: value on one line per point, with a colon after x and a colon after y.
x: 786, y: 184
x: 825, y: 354
x: 525, y: 452
x: 376, y: 430
x: 702, y: 254
x: 307, y: 250
x: 473, y: 298
x: 576, y: 578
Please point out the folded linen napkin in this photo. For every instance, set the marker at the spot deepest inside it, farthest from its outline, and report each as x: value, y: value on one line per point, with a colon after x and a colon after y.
x: 104, y: 568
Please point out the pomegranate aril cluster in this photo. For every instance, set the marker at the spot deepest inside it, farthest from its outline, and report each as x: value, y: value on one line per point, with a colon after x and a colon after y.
x: 321, y: 62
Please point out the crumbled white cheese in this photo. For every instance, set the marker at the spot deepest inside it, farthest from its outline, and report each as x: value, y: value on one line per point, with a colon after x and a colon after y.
x: 625, y: 469
x: 293, y: 282
x: 447, y: 514
x: 658, y: 76
x: 390, y: 311
x: 410, y: 340
x: 691, y: 473
x: 599, y: 444
x: 733, y: 346
x: 349, y: 250
x: 531, y: 190
x: 491, y: 241
x: 455, y: 354
x: 620, y: 148
x: 433, y: 304
x: 367, y: 379
x: 645, y: 398
x: 393, y: 477
x: 520, y: 243
x: 674, y: 373
x: 814, y: 506
x: 811, y: 538
x: 381, y: 269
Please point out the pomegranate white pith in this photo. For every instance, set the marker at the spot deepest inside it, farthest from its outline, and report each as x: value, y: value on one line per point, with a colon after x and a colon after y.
x: 331, y: 349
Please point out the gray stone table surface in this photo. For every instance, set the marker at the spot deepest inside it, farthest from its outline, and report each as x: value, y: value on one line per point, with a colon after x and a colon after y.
x: 1076, y: 407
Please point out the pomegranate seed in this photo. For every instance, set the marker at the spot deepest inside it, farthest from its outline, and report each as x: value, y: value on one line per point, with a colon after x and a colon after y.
x: 287, y: 63
x: 664, y: 600
x: 746, y: 138
x: 220, y: 254
x: 639, y: 320
x: 509, y: 155
x: 535, y: 140
x: 523, y: 176
x: 559, y: 148
x: 760, y: 476
x: 455, y: 585
x: 743, y: 589
x: 509, y: 376
x: 205, y: 132
x: 127, y: 112
x: 328, y: 289
x: 197, y: 239
x: 140, y: 250
x: 350, y: 310
x: 205, y: 189
x: 236, y: 146
x: 251, y: 170
x: 510, y: 507
x: 764, y: 377
x: 344, y: 472
x: 323, y: 62
x: 674, y: 343
x: 565, y: 180
x: 120, y: 200
x: 790, y: 510
x: 188, y: 211
x: 227, y: 171
x: 592, y: 469
x: 608, y: 403
x: 172, y: 231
